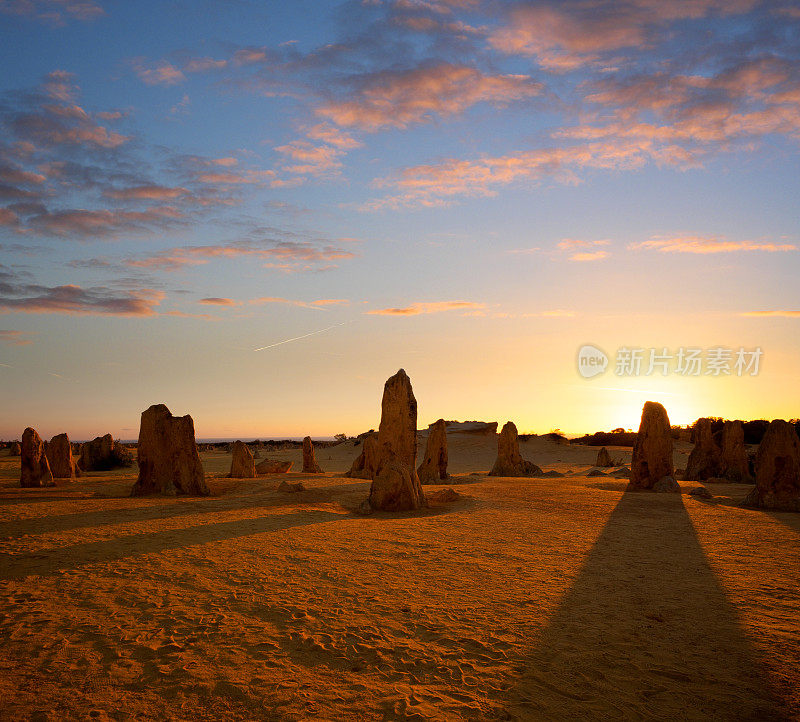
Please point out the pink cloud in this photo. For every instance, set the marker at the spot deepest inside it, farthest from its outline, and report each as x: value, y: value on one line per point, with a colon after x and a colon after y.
x: 438, y: 184
x: 147, y: 192
x: 330, y: 134
x: 8, y: 217
x: 53, y: 11
x: 99, y: 223
x: 15, y: 338
x: 216, y: 301
x: 566, y: 36
x: 75, y: 300
x: 316, y: 160
x: 242, y: 178
x: 162, y: 74
x: 401, y: 98
x: 290, y: 255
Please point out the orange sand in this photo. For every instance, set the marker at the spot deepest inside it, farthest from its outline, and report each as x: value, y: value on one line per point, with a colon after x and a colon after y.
x: 526, y: 599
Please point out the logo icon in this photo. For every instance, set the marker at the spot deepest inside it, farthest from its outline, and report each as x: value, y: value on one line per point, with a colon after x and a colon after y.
x: 591, y: 361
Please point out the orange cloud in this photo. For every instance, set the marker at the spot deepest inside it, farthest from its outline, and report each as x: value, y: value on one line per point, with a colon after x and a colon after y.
x: 590, y: 256
x: 75, y: 300
x: 400, y: 98
x: 316, y: 160
x: 319, y: 304
x: 569, y: 244
x: 437, y: 184
x: 416, y: 309
x: 707, y: 244
x: 230, y: 178
x: 146, y: 192
x: 771, y: 314
x: 330, y: 134
x: 101, y: 223
x: 566, y: 36
x: 216, y: 301
x: 162, y: 74
x: 290, y: 253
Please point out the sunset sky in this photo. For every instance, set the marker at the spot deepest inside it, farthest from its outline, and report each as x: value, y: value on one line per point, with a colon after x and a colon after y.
x: 256, y: 212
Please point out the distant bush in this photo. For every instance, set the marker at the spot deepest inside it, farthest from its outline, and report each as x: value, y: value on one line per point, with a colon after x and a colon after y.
x: 607, y: 438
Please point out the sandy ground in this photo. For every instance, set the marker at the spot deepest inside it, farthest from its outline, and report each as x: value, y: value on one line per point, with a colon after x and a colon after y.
x: 526, y: 599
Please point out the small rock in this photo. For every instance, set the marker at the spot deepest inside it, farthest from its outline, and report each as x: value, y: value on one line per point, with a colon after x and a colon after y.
x: 667, y: 485
x: 291, y: 488
x: 444, y: 495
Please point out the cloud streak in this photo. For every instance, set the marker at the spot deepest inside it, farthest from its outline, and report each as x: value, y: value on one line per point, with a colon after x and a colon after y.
x: 708, y: 244
x: 426, y: 307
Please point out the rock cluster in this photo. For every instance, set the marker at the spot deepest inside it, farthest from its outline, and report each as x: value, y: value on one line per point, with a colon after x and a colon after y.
x: 433, y: 468
x: 509, y: 459
x: 35, y: 469
x: 103, y: 454
x: 777, y: 470
x: 167, y: 453
x: 652, y: 451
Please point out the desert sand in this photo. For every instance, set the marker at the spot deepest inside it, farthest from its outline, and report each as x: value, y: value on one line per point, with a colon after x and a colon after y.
x: 524, y: 599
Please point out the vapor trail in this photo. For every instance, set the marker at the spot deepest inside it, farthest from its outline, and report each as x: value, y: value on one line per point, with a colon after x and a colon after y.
x: 297, y: 338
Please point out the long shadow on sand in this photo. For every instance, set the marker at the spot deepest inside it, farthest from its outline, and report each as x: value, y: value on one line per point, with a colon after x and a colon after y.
x: 124, y: 513
x: 51, y: 562
x: 645, y: 631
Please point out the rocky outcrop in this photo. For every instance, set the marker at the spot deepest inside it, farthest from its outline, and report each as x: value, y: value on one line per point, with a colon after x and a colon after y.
x: 509, y: 459
x: 243, y: 466
x: 652, y: 450
x: 433, y: 468
x: 270, y: 466
x: 35, y: 469
x: 735, y: 464
x: 168, y: 460
x: 365, y: 465
x: 16, y: 449
x: 397, y: 433
x: 396, y: 486
x: 603, y: 458
x: 777, y: 470
x: 310, y: 465
x: 705, y: 461
x: 104, y: 454
x: 59, y: 456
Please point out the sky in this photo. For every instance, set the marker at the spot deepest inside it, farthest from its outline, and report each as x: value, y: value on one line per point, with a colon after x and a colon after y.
x: 256, y: 212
